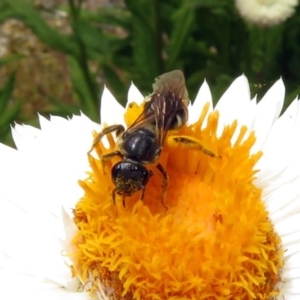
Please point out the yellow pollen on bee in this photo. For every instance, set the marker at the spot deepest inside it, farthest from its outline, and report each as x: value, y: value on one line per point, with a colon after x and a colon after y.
x: 215, y: 240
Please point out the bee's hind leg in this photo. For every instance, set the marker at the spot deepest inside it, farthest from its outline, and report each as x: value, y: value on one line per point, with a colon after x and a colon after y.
x: 165, y: 183
x: 189, y: 142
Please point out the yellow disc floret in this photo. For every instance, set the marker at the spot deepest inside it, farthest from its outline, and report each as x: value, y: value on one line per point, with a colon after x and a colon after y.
x: 214, y: 240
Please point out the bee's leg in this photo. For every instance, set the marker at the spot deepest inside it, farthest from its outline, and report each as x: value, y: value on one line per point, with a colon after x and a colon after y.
x: 143, y: 188
x: 119, y: 129
x: 189, y: 142
x: 114, y: 192
x: 108, y: 156
x: 114, y: 195
x: 165, y: 183
x: 143, y: 193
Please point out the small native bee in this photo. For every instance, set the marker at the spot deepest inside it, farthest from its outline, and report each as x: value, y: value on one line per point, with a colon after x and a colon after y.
x: 141, y: 143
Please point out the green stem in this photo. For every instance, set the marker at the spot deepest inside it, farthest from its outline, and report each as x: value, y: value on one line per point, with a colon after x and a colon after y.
x: 73, y: 10
x: 82, y: 59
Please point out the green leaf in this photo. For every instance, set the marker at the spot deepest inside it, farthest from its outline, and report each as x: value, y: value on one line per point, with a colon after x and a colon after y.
x: 146, y: 38
x: 81, y: 86
x: 207, y: 3
x: 8, y: 112
x: 8, y: 117
x: 183, y: 20
x: 59, y: 108
x: 93, y: 38
x: 5, y: 12
x: 108, y: 17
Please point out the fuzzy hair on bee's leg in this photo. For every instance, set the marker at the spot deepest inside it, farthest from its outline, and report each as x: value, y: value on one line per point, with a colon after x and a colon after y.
x: 189, y: 142
x: 119, y: 129
x: 165, y: 183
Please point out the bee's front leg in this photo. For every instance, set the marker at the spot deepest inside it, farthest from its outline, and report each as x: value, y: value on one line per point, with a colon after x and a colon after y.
x: 119, y: 129
x: 108, y: 156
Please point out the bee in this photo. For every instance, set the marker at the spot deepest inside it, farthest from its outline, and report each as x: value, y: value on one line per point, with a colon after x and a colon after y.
x: 141, y: 143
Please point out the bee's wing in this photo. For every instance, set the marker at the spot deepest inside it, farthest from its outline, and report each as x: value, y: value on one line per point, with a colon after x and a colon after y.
x: 165, y: 110
x: 169, y: 92
x: 171, y: 82
x: 154, y: 114
x: 159, y: 110
x: 161, y: 119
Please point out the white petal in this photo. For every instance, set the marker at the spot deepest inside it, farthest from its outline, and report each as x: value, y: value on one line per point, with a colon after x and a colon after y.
x: 293, y: 261
x: 292, y: 273
x: 287, y: 296
x: 291, y: 238
x: 267, y: 111
x: 289, y: 225
x: 68, y: 145
x: 112, y: 112
x: 31, y: 247
x: 24, y: 137
x: 45, y: 124
x: 235, y: 104
x: 15, y: 285
x: 266, y: 13
x: 11, y: 161
x: 58, y: 121
x: 70, y: 231
x: 134, y: 95
x: 204, y: 96
x: 282, y: 133
x: 48, y: 171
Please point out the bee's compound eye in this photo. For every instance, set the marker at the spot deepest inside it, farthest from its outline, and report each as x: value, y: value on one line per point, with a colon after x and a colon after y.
x: 129, y: 176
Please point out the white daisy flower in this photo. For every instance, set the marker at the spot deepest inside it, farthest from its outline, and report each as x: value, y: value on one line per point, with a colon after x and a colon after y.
x: 266, y: 12
x: 230, y: 230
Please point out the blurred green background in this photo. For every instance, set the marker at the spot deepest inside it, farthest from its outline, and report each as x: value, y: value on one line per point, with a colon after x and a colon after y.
x: 56, y: 56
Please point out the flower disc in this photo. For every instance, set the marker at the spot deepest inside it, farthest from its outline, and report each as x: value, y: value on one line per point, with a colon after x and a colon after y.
x: 214, y: 240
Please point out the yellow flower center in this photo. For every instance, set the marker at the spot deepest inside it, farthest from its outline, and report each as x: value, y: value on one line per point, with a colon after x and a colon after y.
x: 215, y: 240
